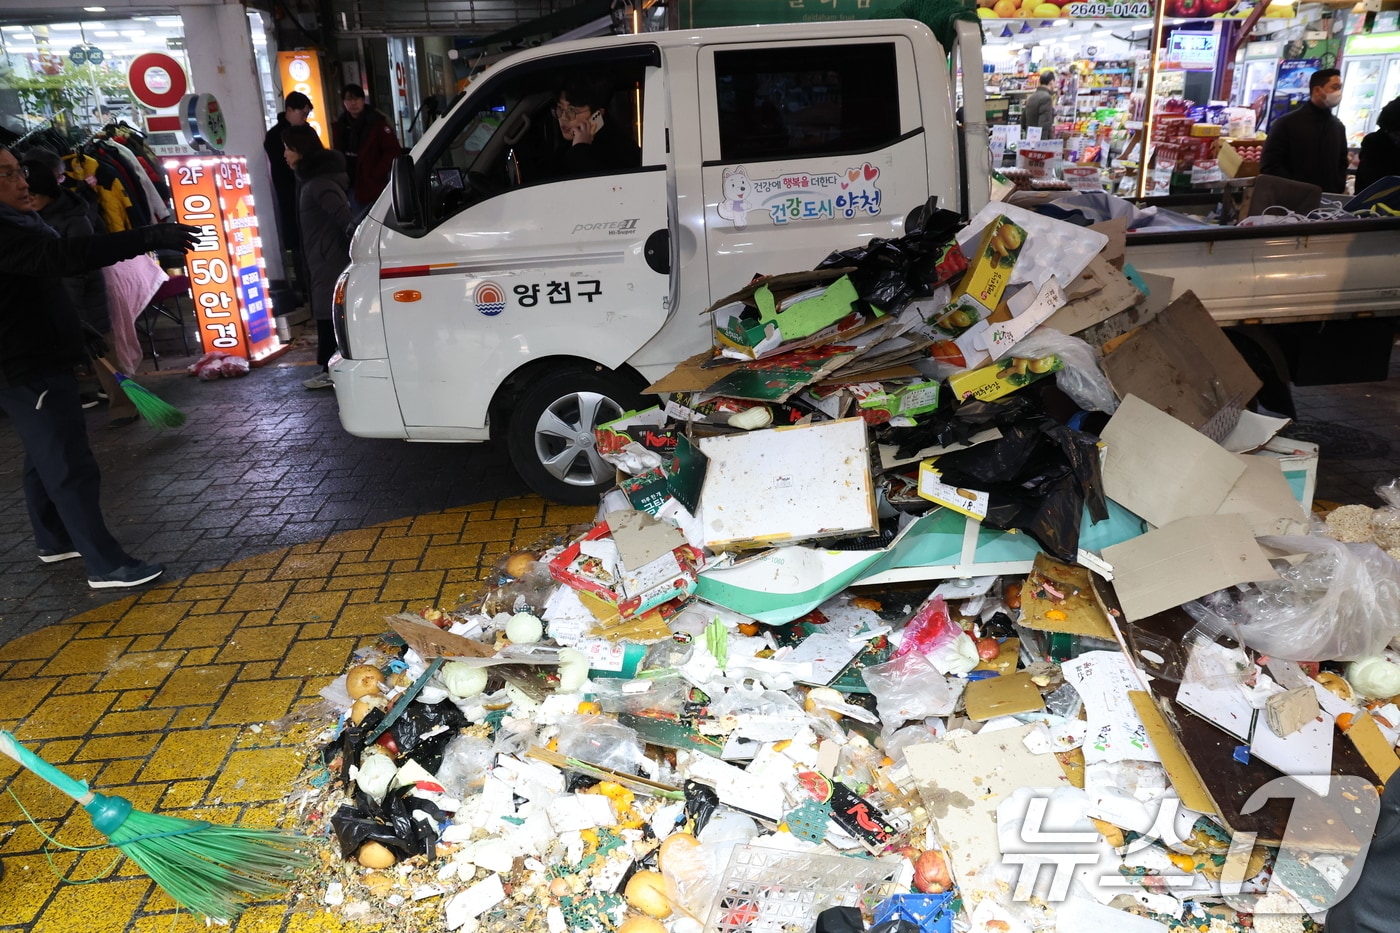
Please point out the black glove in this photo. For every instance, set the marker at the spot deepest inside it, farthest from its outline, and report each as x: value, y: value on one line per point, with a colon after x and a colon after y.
x: 93, y: 341
x: 180, y: 237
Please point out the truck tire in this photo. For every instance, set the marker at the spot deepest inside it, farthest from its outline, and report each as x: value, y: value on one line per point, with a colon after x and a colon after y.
x: 550, y: 434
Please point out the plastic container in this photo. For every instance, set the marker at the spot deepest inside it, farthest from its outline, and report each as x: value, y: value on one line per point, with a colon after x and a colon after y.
x: 772, y: 890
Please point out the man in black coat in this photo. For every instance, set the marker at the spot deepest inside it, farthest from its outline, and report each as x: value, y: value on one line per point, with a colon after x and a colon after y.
x: 1309, y: 144
x: 284, y: 180
x: 41, y: 342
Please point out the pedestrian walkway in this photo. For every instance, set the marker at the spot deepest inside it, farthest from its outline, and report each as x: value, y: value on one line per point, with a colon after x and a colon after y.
x: 288, y: 543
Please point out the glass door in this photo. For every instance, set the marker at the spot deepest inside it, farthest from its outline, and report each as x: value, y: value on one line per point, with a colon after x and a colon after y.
x: 1390, y: 88
x: 1360, y: 86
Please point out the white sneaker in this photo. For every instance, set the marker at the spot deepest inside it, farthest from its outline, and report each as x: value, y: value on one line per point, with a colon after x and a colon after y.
x: 319, y: 381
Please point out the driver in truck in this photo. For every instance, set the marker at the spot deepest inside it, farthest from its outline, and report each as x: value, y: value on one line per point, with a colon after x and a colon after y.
x: 595, y: 144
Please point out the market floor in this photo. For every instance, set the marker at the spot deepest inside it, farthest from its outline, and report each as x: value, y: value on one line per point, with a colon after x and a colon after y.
x: 288, y: 544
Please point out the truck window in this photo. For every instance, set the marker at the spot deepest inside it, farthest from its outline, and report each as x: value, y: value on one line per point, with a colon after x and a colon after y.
x: 510, y: 138
x: 811, y: 101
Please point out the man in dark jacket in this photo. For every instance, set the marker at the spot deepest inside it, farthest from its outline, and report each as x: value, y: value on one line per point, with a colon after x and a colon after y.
x: 284, y: 181
x: 41, y: 342
x: 594, y: 142
x: 1039, y: 108
x: 1380, y: 151
x: 1310, y: 144
x: 365, y: 137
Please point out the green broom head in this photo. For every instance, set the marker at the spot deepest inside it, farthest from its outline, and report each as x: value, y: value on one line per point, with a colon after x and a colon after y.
x: 150, y: 406
x: 211, y: 869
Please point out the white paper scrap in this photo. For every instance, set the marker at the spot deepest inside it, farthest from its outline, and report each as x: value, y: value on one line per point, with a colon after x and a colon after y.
x: 1115, y: 733
x: 474, y: 901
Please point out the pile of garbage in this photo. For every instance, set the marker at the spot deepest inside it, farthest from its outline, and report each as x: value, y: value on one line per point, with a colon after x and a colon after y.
x: 955, y: 589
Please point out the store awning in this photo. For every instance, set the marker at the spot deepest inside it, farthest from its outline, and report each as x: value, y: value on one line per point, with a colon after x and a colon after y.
x: 545, y: 27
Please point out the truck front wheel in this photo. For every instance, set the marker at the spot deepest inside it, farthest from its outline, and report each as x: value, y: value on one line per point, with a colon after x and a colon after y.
x: 550, y: 435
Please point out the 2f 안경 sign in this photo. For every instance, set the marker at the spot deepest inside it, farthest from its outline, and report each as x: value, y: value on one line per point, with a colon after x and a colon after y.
x: 225, y: 268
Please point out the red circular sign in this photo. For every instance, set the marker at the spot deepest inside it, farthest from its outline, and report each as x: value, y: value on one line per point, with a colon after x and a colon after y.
x: 157, y: 80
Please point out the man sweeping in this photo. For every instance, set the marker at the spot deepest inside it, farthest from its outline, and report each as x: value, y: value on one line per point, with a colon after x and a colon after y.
x: 41, y: 343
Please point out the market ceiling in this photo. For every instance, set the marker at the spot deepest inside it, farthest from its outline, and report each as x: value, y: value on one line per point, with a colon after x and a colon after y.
x: 30, y: 12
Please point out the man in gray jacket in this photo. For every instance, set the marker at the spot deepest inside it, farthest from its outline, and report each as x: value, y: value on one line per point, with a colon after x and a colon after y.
x: 1039, y: 108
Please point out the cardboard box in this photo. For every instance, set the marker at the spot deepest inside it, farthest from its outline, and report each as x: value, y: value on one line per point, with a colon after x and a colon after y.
x: 1232, y: 163
x: 982, y: 287
x: 592, y: 564
x: 1182, y: 363
x: 1003, y: 377
x: 784, y: 312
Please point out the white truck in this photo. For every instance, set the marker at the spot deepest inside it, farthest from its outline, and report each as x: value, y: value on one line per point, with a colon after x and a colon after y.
x: 490, y: 288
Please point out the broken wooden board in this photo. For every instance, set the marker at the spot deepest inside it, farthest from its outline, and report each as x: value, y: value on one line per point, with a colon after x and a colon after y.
x: 963, y: 778
x: 1077, y: 613
x: 430, y: 642
x: 1366, y: 736
x: 1211, y: 751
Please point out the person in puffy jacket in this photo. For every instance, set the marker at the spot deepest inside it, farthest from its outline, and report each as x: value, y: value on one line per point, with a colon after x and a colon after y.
x: 366, y: 138
x: 323, y: 212
x: 41, y: 343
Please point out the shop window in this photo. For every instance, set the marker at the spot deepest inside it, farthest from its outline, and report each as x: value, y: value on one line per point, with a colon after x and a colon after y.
x: 803, y: 102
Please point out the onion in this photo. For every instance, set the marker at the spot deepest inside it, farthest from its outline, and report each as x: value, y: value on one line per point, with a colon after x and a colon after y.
x: 363, y: 680
x: 1377, y: 677
x: 462, y: 680
x: 524, y: 629
x: 573, y: 670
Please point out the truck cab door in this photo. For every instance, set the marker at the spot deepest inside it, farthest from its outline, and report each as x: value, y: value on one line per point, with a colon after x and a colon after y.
x: 525, y: 256
x: 816, y: 146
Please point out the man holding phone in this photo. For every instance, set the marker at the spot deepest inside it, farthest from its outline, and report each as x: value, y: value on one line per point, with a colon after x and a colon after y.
x: 594, y: 143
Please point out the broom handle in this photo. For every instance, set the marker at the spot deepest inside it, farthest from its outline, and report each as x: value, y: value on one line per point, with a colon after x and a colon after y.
x: 109, y: 367
x: 78, y: 790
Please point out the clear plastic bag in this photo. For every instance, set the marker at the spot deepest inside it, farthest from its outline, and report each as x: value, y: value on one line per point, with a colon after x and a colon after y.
x: 602, y: 741
x: 465, y: 762
x: 1341, y: 602
x: 1385, y: 522
x: 1081, y: 378
x: 909, y: 688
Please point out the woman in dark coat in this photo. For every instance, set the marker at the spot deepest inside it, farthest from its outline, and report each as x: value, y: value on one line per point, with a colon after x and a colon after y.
x: 323, y: 210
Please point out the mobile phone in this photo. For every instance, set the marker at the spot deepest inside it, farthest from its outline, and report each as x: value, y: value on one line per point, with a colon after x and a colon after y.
x: 596, y: 121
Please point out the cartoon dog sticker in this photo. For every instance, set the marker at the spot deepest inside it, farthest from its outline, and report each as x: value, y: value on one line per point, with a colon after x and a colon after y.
x: 734, y: 207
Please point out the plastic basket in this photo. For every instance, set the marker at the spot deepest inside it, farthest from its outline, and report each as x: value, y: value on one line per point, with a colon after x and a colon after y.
x: 774, y: 891
x: 932, y: 913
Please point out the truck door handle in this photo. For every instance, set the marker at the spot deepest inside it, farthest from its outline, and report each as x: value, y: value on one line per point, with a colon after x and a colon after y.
x: 657, y: 251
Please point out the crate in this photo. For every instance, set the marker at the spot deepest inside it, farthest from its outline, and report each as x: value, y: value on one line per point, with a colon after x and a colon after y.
x: 767, y: 890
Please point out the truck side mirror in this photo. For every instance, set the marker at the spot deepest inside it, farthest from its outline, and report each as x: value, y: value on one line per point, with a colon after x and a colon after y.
x: 404, y: 200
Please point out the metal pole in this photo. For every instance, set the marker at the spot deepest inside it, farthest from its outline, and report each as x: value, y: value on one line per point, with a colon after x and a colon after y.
x: 1154, y: 48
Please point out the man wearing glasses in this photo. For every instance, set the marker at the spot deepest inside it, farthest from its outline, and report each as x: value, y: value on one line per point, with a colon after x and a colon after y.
x: 42, y: 342
x: 594, y: 143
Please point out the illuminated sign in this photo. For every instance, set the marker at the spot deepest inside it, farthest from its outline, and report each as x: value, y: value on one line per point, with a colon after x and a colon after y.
x: 301, y: 71
x: 1192, y: 48
x: 227, y: 275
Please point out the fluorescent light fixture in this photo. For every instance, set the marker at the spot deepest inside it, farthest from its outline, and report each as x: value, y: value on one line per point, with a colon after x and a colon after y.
x: 133, y: 33
x: 106, y: 33
x: 94, y: 9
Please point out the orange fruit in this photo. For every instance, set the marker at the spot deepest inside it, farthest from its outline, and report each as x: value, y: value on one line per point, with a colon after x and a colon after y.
x: 1004, y: 8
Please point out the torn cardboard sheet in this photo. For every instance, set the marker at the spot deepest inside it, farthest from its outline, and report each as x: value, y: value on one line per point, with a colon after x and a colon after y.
x: 786, y: 485
x: 1160, y: 468
x: 1252, y: 431
x: 1100, y: 292
x: 1183, y: 561
x: 1059, y: 597
x: 1263, y: 496
x: 1002, y: 696
x: 1182, y: 362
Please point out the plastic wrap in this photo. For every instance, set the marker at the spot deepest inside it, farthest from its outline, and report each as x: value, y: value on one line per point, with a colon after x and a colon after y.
x: 601, y: 741
x: 1341, y: 602
x: 909, y: 688
x: 465, y: 762
x: 1080, y: 378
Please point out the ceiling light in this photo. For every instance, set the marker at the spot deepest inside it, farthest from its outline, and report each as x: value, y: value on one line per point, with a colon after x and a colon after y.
x: 106, y: 33
x: 133, y: 33
x: 94, y: 9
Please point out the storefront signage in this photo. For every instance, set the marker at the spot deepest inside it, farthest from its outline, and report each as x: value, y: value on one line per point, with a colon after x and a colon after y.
x: 301, y: 71
x: 203, y: 121
x: 1374, y: 44
x: 1191, y: 48
x: 227, y: 276
x: 156, y: 80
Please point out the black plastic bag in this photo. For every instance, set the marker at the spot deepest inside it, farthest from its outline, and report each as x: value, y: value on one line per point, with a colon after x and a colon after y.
x: 701, y: 802
x: 414, y: 732
x: 390, y: 823
x: 840, y: 920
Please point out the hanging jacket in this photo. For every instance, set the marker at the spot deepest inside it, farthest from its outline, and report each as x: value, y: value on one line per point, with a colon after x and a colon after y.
x: 138, y: 210
x: 111, y: 199
x: 323, y: 210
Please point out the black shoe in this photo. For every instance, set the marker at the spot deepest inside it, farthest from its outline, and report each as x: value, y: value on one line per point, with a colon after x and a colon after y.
x: 128, y: 576
x: 90, y: 401
x: 123, y: 421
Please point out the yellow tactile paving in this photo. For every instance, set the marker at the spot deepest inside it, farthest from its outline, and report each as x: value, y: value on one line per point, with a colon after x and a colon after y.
x: 152, y: 696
